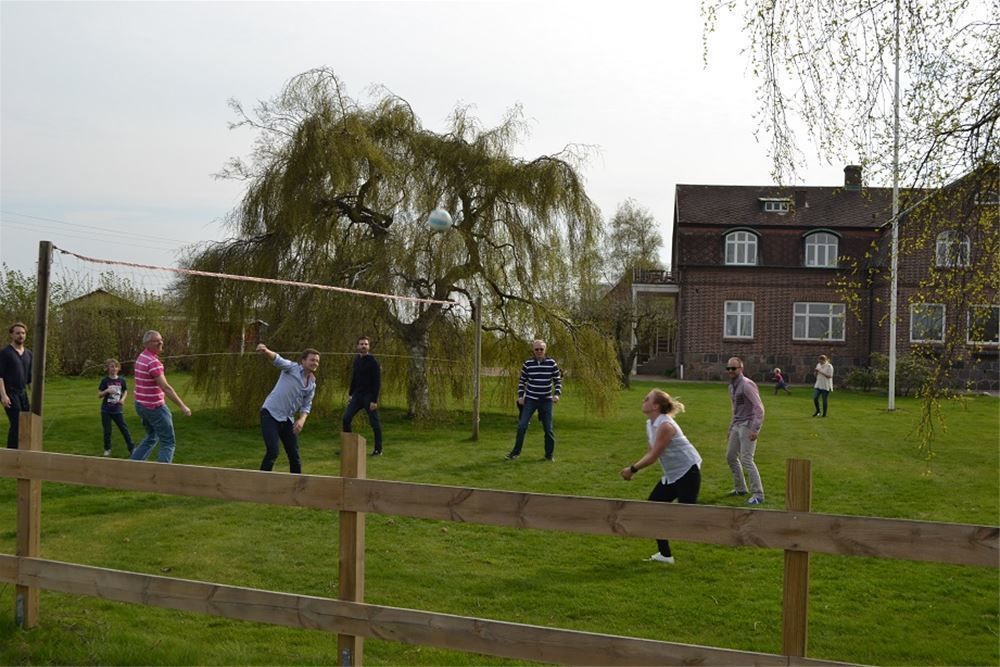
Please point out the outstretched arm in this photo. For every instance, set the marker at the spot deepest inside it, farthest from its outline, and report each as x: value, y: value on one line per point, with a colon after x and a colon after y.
x: 263, y: 349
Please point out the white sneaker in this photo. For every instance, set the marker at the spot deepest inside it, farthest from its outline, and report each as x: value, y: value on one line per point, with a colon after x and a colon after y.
x: 107, y: 452
x: 660, y: 558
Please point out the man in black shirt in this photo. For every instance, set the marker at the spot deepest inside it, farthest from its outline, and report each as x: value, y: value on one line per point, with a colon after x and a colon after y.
x: 366, y: 382
x: 15, y: 377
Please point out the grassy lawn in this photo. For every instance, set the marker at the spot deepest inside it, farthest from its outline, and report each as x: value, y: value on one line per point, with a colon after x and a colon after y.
x: 864, y: 462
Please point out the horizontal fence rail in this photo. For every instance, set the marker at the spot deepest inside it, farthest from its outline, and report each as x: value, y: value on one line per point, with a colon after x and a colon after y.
x: 905, y: 539
x: 499, y: 638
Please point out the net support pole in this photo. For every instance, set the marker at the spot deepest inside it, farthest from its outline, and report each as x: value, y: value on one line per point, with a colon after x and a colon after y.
x: 353, y: 465
x: 477, y: 370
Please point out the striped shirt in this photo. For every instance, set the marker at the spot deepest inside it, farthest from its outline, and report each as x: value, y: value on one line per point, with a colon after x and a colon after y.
x: 539, y: 379
x: 147, y: 368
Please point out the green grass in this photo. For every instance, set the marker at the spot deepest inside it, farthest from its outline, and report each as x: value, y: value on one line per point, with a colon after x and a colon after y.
x: 864, y: 462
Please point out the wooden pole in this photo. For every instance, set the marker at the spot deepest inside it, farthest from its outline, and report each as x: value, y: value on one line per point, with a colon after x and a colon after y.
x: 477, y: 371
x: 795, y: 607
x: 29, y: 491
x: 40, y: 336
x: 353, y: 465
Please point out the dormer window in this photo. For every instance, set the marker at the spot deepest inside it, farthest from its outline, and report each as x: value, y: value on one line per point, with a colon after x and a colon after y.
x: 741, y: 248
x: 822, y: 250
x: 776, y: 205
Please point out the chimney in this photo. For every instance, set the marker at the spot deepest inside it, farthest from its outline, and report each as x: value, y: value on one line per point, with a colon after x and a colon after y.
x: 852, y: 177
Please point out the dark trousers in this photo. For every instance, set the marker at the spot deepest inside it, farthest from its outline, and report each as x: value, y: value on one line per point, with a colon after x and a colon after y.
x: 358, y: 403
x: 544, y: 408
x: 119, y: 419
x: 684, y: 490
x: 817, y: 393
x: 273, y: 430
x: 18, y: 404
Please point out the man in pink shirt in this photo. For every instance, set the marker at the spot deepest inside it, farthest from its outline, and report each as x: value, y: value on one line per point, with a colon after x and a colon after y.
x: 151, y: 387
x: 748, y: 417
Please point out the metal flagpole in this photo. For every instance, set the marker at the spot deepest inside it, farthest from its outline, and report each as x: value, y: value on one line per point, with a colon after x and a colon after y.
x: 894, y: 275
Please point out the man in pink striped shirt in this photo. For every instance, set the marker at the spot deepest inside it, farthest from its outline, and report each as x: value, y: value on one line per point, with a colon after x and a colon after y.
x: 151, y: 387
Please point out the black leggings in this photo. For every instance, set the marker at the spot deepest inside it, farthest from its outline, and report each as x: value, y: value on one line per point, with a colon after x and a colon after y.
x: 684, y: 490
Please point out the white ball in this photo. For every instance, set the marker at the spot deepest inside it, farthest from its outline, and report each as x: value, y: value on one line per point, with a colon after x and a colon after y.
x: 439, y: 220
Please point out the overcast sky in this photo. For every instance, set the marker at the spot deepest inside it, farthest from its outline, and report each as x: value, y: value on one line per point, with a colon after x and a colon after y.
x: 114, y: 114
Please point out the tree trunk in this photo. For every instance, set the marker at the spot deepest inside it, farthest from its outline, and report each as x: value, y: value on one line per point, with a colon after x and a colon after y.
x: 418, y: 397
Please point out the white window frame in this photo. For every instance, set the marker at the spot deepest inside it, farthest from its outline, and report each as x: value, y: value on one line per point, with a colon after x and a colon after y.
x: 803, y: 312
x: 914, y: 308
x: 968, y: 324
x: 822, y: 245
x: 741, y: 313
x: 952, y: 249
x: 738, y: 240
x: 777, y: 206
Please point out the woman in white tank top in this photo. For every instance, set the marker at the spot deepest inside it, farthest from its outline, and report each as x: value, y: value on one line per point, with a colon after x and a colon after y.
x: 678, y: 458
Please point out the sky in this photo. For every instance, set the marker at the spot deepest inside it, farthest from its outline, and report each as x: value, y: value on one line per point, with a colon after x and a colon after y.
x: 114, y: 115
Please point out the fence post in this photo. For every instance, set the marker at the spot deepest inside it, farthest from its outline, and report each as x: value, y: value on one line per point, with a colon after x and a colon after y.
x: 353, y: 464
x: 795, y: 607
x: 29, y: 519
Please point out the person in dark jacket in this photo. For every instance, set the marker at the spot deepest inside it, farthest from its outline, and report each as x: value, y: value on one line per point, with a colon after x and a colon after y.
x: 15, y: 378
x: 366, y: 383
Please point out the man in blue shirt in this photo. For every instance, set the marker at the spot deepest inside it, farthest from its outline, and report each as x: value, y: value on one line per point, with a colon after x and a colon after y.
x: 292, y: 394
x: 538, y: 389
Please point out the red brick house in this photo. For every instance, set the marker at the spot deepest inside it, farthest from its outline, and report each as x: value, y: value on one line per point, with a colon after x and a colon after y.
x: 756, y: 268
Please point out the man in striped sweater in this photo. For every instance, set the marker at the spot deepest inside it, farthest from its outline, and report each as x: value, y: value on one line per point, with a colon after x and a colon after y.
x: 538, y: 388
x: 150, y: 388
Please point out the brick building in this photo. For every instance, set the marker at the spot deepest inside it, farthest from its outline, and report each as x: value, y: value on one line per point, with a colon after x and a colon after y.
x: 757, y: 266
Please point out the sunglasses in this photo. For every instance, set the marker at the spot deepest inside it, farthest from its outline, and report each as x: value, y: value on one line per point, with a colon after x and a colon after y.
x: 732, y: 368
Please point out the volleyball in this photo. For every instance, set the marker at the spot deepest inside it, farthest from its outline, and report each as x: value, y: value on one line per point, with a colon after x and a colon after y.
x: 439, y: 220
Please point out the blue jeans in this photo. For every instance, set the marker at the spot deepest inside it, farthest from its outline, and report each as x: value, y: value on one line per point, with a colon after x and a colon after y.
x: 272, y: 430
x: 544, y: 408
x: 358, y: 403
x: 119, y: 419
x: 817, y: 395
x: 159, y: 425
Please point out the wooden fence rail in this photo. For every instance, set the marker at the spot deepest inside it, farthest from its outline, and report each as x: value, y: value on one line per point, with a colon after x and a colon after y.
x: 508, y: 640
x: 903, y: 539
x: 797, y: 531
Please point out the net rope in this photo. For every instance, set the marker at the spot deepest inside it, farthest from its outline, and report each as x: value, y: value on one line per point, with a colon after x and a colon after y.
x: 255, y: 279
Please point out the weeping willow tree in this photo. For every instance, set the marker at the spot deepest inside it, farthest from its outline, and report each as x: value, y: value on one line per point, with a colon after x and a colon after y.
x: 337, y: 194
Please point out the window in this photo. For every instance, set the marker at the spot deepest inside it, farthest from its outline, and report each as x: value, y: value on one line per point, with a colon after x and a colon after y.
x: 739, y: 319
x: 952, y: 249
x: 822, y: 250
x: 818, y: 321
x: 777, y: 205
x: 926, y: 323
x: 741, y: 248
x: 984, y: 325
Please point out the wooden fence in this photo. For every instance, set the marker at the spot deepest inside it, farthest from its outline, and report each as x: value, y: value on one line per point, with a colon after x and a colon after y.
x: 796, y: 530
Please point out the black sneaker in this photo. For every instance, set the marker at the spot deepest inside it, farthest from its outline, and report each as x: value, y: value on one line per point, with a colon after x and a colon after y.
x: 512, y: 456
x: 377, y: 452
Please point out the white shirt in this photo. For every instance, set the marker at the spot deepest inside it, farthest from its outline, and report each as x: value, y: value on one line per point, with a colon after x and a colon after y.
x: 679, y: 454
x: 822, y: 381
